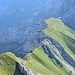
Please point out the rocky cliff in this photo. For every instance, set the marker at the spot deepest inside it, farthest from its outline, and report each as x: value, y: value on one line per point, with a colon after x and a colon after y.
x: 23, y: 39
x: 24, y: 70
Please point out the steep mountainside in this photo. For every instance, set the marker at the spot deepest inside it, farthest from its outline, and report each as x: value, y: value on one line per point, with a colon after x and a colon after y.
x: 37, y: 37
x: 36, y: 64
x: 20, y: 40
x: 10, y: 65
x: 23, y: 39
x: 7, y: 64
x: 54, y: 55
x: 44, y: 64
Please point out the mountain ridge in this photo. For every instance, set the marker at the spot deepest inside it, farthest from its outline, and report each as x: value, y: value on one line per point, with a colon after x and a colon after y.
x: 53, y: 55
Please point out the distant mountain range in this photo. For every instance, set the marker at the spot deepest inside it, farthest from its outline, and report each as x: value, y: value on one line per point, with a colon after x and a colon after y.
x: 22, y: 12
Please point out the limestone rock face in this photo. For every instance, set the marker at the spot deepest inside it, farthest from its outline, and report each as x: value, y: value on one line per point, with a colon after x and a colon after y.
x: 24, y: 70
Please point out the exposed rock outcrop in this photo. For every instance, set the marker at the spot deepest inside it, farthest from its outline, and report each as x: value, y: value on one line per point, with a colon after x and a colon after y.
x: 50, y: 54
x: 62, y: 51
x: 24, y: 70
x: 58, y: 53
x: 21, y: 40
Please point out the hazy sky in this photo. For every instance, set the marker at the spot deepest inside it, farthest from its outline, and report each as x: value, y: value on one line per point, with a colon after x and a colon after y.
x: 22, y: 12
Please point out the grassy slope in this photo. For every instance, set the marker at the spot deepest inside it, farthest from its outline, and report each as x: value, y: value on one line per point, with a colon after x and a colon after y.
x: 8, y: 63
x: 61, y: 33
x: 39, y: 62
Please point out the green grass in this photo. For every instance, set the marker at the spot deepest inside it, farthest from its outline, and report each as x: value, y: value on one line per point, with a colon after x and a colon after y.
x: 8, y: 64
x: 58, y: 25
x: 39, y: 62
x: 62, y: 34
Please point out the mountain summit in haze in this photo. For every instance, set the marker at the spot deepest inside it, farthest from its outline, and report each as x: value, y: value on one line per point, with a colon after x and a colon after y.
x: 22, y: 12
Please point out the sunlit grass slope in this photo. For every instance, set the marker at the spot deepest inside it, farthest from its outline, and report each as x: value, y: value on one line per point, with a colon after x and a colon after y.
x: 39, y: 63
x: 8, y: 64
x: 62, y: 34
x: 36, y: 61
